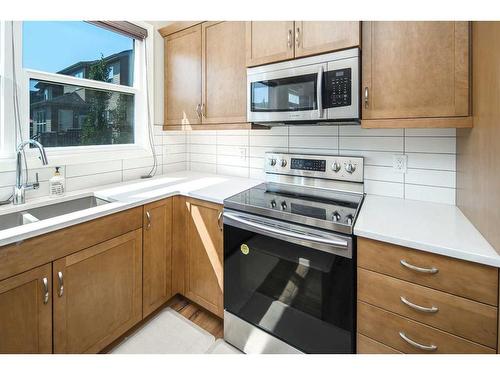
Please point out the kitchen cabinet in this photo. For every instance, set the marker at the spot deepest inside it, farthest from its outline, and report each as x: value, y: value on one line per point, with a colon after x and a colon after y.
x: 204, y: 255
x: 315, y: 37
x: 273, y: 41
x: 417, y: 302
x: 224, y: 74
x: 26, y: 312
x: 182, y: 93
x: 157, y: 255
x: 415, y: 74
x: 97, y: 294
x: 269, y: 41
x: 205, y: 77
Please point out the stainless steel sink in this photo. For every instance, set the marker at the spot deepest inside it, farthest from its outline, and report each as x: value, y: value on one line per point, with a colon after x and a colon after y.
x: 48, y: 211
x: 63, y: 208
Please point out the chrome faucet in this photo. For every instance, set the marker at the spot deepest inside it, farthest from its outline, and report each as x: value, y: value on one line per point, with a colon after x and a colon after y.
x: 20, y: 188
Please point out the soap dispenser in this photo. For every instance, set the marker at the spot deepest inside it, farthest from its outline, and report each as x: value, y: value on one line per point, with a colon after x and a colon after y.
x: 56, y: 184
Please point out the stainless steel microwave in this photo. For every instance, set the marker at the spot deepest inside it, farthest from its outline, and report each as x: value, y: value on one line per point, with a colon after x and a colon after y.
x: 307, y: 90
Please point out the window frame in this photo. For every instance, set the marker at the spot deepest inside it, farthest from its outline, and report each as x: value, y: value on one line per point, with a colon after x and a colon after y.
x: 8, y: 139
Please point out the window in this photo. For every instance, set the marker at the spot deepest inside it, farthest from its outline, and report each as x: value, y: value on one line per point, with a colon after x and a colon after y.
x: 81, y: 84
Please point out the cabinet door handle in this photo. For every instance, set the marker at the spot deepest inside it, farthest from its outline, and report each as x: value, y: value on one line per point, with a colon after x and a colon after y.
x: 148, y: 216
x: 198, y: 111
x: 45, y: 283
x: 289, y: 38
x: 297, y: 37
x: 366, y: 97
x: 431, y: 270
x: 427, y: 348
x: 60, y: 290
x: 219, y: 220
x: 432, y: 309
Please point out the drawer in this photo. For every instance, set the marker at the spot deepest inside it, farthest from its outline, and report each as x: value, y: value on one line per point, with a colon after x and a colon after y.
x: 366, y: 345
x: 387, y: 328
x: 466, y: 279
x: 462, y: 317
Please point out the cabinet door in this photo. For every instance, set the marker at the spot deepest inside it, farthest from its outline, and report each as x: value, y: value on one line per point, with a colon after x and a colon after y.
x: 157, y: 255
x: 26, y: 312
x: 97, y: 294
x: 223, y: 72
x: 415, y: 70
x: 315, y: 37
x: 183, y: 77
x: 269, y: 41
x: 204, y: 260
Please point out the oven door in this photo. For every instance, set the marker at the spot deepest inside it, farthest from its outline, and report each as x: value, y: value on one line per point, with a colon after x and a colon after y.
x: 293, y: 94
x: 294, y: 283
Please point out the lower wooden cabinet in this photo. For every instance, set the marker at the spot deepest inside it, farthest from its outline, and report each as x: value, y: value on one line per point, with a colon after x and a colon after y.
x: 26, y: 312
x: 157, y: 255
x: 97, y: 294
x: 204, y: 255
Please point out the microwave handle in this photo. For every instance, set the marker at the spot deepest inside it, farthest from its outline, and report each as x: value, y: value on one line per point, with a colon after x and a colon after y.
x: 319, y: 92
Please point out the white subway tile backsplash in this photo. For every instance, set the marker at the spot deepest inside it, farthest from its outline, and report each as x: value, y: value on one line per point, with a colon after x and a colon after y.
x: 431, y: 177
x: 309, y: 142
x: 268, y: 141
x: 89, y: 169
x: 379, y: 158
x: 203, y: 167
x: 90, y: 180
x: 382, y: 174
x: 446, y: 162
x: 372, y: 143
x: 431, y: 132
x: 358, y: 131
x: 329, y: 131
x: 438, y: 145
x: 389, y: 189
x: 232, y: 171
x: 203, y: 158
x: 430, y: 193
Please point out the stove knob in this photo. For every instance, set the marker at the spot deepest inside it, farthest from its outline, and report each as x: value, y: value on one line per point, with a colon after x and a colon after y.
x: 349, y: 219
x: 273, y: 203
x: 283, y: 205
x: 335, y: 167
x: 272, y: 162
x: 336, y: 216
x: 350, y: 168
x: 283, y: 163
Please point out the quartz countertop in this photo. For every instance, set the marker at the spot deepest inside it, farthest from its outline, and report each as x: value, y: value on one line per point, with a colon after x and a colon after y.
x: 125, y: 195
x: 432, y: 227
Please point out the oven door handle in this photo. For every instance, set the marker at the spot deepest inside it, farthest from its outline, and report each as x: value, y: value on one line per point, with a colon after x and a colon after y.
x: 281, y: 232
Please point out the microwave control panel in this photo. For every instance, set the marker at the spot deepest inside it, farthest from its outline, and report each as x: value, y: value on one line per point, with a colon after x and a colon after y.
x: 337, y: 91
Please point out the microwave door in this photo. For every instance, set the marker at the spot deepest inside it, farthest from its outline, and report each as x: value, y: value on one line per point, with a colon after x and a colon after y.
x: 286, y: 95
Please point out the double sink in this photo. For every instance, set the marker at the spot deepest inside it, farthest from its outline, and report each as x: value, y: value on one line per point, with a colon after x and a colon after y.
x: 48, y: 211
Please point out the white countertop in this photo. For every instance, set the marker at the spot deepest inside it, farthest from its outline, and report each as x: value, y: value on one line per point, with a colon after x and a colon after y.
x: 432, y: 227
x: 125, y: 195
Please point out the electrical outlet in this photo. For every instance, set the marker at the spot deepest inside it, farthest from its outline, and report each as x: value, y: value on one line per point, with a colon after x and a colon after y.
x: 399, y: 163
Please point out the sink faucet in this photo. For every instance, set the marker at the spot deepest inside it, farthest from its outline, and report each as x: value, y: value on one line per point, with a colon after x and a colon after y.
x: 20, y: 188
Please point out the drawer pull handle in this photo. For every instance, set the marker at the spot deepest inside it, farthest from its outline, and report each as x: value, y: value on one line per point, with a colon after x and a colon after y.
x: 432, y: 309
x: 432, y: 270
x: 427, y: 348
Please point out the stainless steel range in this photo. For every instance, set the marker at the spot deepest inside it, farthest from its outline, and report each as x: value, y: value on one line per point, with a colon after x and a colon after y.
x: 289, y: 257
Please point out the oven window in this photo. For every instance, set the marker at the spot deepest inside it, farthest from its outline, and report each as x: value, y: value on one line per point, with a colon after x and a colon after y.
x: 300, y: 295
x: 284, y: 94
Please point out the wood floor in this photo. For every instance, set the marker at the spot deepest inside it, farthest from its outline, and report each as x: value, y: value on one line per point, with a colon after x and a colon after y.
x: 199, y: 316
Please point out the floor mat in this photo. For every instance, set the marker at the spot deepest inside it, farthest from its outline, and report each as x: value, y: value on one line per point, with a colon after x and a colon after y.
x: 222, y: 347
x: 167, y: 333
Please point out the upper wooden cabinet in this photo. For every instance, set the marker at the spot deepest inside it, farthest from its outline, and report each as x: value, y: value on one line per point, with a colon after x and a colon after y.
x: 97, y: 294
x: 314, y: 37
x: 205, y: 75
x: 269, y: 41
x: 223, y: 73
x: 182, y: 92
x: 157, y: 255
x: 273, y: 41
x: 26, y: 312
x: 204, y: 255
x: 415, y: 74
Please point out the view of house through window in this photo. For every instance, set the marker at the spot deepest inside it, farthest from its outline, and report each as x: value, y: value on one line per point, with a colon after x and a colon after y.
x: 77, y: 114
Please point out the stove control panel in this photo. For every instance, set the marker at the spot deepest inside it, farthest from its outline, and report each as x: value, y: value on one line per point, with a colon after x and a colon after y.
x: 344, y: 168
